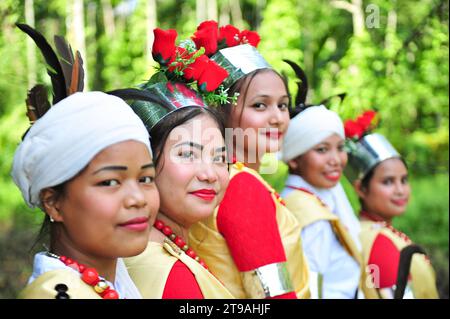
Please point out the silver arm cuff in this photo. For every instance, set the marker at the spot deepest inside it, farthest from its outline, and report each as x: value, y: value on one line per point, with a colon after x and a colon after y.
x: 267, y: 281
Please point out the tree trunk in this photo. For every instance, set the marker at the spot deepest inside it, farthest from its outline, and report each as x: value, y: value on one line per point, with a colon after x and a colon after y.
x: 236, y: 14
x: 152, y: 20
x: 108, y: 18
x: 391, y: 30
x: 212, y: 9
x: 224, y: 14
x: 200, y: 8
x: 76, y: 34
x: 31, y: 49
x: 355, y: 8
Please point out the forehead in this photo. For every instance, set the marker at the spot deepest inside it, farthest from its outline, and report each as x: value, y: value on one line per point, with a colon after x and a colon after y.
x: 266, y: 83
x: 391, y: 167
x: 202, y: 129
x: 332, y: 139
x: 121, y: 150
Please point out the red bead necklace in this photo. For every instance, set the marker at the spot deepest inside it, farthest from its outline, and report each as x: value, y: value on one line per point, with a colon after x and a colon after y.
x: 166, y: 230
x: 373, y: 218
x: 89, y: 276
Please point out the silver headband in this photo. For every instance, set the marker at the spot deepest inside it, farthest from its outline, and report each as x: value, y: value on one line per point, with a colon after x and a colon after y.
x: 366, y: 153
x: 239, y: 61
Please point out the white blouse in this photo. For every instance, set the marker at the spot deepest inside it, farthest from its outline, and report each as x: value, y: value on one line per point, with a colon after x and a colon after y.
x: 325, y: 255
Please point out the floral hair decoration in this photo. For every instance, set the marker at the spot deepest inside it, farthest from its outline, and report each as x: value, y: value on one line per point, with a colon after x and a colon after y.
x: 365, y: 149
x: 363, y: 125
x: 196, y: 73
x: 199, y: 62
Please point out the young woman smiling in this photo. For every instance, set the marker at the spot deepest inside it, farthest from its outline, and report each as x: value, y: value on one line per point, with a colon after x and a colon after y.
x: 191, y: 175
x: 87, y: 164
x: 380, y: 178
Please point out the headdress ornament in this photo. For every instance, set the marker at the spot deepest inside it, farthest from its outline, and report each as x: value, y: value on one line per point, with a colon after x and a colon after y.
x: 197, y: 72
x: 365, y: 149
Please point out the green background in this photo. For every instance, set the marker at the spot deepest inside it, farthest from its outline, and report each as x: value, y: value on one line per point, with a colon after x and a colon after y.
x: 388, y: 55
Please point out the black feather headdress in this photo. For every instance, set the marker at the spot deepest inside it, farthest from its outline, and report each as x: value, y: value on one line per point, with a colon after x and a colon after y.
x: 302, y: 91
x: 66, y: 73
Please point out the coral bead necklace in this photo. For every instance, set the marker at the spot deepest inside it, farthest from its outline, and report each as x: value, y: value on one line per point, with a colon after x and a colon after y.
x: 166, y: 230
x: 90, y: 276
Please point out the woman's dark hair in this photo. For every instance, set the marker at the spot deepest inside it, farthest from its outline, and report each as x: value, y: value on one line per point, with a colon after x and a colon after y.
x: 161, y: 130
x: 241, y: 86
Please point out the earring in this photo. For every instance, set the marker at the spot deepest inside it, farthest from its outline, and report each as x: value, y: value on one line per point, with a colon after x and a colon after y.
x: 51, y: 220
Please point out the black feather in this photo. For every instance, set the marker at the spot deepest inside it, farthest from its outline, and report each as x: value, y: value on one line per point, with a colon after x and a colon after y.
x: 66, y: 58
x: 80, y: 86
x: 54, y: 69
x: 341, y: 96
x: 302, y: 84
x: 37, y: 102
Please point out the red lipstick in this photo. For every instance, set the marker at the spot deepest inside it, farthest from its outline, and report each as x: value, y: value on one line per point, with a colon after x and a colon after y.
x: 399, y: 202
x: 333, y: 177
x: 205, y: 194
x: 136, y: 224
x: 274, y: 134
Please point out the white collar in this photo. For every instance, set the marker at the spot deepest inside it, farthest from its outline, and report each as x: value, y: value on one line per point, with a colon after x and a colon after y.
x: 336, y: 199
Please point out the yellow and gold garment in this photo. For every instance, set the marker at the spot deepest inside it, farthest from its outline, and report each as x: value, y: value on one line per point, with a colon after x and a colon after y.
x: 206, y: 240
x: 422, y: 276
x: 150, y: 271
x: 70, y: 283
x: 308, y: 209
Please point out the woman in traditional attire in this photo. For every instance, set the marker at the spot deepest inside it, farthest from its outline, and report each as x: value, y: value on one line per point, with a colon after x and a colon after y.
x: 86, y: 162
x: 188, y: 140
x: 398, y: 267
x: 314, y: 151
x: 251, y: 242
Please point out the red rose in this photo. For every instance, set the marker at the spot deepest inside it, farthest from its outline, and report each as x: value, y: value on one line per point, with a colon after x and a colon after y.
x: 164, y: 45
x: 206, y: 36
x: 250, y: 37
x: 209, y: 24
x: 180, y: 54
x: 353, y: 129
x: 212, y: 77
x: 366, y: 119
x: 230, y: 35
x: 195, y: 69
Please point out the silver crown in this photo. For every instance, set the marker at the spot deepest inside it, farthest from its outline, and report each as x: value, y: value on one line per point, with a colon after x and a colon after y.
x: 239, y: 61
x: 366, y: 153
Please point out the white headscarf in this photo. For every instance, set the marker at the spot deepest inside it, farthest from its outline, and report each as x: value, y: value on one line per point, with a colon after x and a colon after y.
x: 62, y: 142
x: 308, y: 129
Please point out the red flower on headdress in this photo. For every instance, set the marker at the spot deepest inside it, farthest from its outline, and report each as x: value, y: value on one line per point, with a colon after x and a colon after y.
x: 206, y: 36
x: 212, y: 77
x: 230, y: 35
x: 176, y: 62
x: 195, y: 69
x: 250, y: 37
x: 353, y: 129
x: 164, y: 45
x: 366, y: 118
x: 359, y: 127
